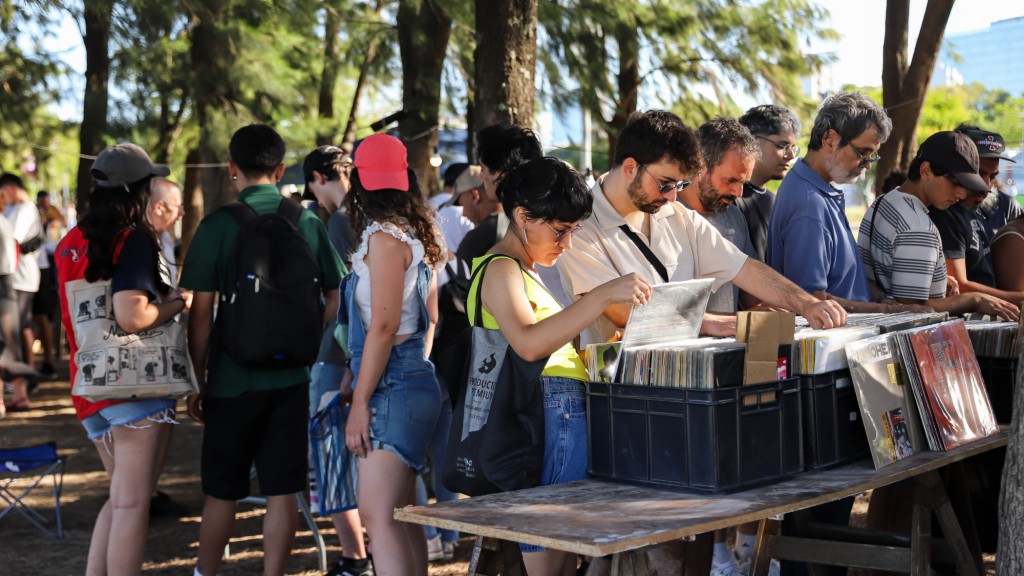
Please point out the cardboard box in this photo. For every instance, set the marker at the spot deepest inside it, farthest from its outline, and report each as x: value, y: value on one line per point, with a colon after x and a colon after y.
x: 763, y: 333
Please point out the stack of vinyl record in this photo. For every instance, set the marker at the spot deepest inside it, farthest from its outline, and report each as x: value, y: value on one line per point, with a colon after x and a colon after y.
x: 943, y: 372
x: 994, y: 339
x: 702, y: 363
x: 888, y: 322
x: 887, y: 405
x: 821, y: 351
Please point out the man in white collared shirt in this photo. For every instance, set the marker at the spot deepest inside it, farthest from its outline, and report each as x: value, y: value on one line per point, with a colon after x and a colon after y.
x: 637, y: 226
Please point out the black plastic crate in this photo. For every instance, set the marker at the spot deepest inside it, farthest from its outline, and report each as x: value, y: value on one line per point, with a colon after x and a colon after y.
x: 833, y: 427
x: 698, y: 440
x: 1000, y: 375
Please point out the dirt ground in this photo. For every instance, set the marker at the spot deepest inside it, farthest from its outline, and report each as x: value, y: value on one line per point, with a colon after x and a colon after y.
x: 171, y: 550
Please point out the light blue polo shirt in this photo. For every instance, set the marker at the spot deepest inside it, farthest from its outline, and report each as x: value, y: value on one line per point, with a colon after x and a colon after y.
x: 809, y: 237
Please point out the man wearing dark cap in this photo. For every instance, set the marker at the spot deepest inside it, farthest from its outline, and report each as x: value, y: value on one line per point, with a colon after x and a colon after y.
x: 325, y: 171
x: 901, y: 248
x: 445, y: 197
x: 967, y: 228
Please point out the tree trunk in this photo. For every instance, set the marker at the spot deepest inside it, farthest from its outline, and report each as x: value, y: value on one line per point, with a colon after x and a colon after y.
x: 1010, y: 559
x: 326, y: 128
x: 349, y: 138
x: 628, y: 82
x: 97, y: 15
x: 192, y: 198
x: 505, y: 61
x: 213, y: 54
x: 904, y: 87
x: 423, y: 31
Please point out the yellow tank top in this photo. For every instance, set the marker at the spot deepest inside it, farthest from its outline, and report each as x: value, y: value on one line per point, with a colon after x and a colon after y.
x: 564, y: 362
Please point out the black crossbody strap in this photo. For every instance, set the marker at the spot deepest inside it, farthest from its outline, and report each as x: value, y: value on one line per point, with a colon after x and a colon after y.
x: 871, y: 241
x: 646, y: 250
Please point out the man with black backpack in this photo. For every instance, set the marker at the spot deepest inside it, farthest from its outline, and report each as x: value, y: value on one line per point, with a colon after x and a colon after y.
x: 270, y: 268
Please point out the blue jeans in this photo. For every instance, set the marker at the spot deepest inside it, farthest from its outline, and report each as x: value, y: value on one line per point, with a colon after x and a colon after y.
x: 565, y: 435
x: 438, y: 447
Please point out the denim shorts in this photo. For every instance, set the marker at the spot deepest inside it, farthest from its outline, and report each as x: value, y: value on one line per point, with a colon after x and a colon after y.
x: 565, y: 435
x: 405, y: 407
x: 125, y: 413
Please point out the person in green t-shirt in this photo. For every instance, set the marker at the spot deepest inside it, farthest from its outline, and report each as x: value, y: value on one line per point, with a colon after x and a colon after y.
x: 251, y: 416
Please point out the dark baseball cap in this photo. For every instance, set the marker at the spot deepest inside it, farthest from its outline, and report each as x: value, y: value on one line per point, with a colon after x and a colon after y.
x: 955, y: 152
x: 321, y: 157
x: 454, y: 170
x: 990, y: 144
x: 124, y: 165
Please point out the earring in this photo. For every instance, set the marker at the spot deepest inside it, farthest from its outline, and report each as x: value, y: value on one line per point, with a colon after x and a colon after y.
x: 234, y: 178
x: 526, y: 239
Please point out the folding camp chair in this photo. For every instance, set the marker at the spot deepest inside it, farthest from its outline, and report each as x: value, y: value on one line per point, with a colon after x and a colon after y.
x: 24, y: 469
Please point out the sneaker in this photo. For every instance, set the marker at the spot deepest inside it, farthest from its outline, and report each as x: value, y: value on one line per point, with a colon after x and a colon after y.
x: 449, y: 550
x: 728, y: 569
x: 741, y: 565
x: 435, y: 549
x: 350, y: 567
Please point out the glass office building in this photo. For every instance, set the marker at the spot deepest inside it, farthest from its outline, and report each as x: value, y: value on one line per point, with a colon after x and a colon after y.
x: 992, y: 56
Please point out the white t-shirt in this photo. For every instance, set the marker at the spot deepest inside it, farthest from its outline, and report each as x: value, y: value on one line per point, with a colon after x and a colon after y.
x: 24, y: 218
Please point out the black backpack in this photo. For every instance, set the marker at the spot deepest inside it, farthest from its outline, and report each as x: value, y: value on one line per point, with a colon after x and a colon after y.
x: 271, y: 315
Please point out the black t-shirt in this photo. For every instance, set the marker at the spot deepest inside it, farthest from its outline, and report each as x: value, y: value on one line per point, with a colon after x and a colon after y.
x: 478, y: 241
x: 136, y: 265
x: 964, y: 237
x: 756, y: 206
x: 996, y: 211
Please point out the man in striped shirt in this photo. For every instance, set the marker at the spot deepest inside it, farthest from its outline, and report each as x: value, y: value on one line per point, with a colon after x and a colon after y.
x: 900, y: 246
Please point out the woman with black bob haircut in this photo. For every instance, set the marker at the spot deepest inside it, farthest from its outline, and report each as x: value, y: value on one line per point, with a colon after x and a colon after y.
x: 545, y: 199
x: 391, y: 303
x: 115, y: 242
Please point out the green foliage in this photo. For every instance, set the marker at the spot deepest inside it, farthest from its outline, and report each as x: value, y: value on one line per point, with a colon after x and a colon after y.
x: 691, y: 53
x: 946, y: 107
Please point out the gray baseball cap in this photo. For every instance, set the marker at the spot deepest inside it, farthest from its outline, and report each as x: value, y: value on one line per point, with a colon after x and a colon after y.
x: 124, y: 165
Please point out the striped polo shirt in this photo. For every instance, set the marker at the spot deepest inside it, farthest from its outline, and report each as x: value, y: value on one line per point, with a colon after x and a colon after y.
x: 901, y: 248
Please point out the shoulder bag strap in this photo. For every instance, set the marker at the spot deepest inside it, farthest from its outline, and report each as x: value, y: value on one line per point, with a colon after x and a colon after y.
x: 646, y: 250
x: 871, y: 241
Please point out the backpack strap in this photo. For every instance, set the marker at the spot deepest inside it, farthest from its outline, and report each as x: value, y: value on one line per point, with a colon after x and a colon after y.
x: 246, y: 217
x: 290, y: 211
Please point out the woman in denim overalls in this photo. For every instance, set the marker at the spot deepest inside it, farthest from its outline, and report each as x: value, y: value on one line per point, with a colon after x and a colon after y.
x: 545, y: 199
x: 396, y: 398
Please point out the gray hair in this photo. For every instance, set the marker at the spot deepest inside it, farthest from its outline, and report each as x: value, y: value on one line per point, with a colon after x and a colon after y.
x: 849, y: 114
x: 719, y: 135
x: 769, y: 119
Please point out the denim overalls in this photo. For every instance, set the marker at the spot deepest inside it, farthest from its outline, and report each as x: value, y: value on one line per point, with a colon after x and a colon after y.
x: 407, y: 402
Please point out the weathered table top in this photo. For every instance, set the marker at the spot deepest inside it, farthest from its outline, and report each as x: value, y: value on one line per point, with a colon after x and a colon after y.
x: 597, y: 518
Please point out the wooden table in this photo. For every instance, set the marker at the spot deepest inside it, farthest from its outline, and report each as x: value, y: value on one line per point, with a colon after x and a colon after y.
x: 598, y: 518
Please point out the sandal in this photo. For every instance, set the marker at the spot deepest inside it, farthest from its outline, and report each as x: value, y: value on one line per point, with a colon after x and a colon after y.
x: 20, y: 405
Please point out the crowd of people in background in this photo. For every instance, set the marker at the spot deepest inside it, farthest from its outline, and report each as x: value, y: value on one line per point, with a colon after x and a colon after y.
x: 568, y: 258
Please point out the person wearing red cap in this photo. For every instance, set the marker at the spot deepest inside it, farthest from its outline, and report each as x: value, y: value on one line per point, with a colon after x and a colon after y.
x: 900, y: 246
x: 391, y: 304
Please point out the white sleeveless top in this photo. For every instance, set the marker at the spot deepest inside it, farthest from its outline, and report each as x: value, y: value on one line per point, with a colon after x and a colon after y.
x: 409, y: 323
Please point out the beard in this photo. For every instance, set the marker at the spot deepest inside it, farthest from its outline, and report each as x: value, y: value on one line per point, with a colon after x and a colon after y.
x: 710, y: 199
x: 840, y: 175
x: 636, y: 196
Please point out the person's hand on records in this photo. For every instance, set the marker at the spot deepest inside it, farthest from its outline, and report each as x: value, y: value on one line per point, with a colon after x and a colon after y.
x: 995, y: 307
x: 629, y: 289
x: 824, y: 314
x: 952, y: 286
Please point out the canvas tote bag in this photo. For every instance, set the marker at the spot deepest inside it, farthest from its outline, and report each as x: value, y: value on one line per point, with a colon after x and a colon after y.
x: 115, y: 365
x: 496, y: 443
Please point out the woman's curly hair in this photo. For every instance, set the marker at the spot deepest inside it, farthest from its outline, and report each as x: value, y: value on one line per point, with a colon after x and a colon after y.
x: 402, y: 208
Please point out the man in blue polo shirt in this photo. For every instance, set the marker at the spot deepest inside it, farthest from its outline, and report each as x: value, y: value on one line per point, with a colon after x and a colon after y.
x: 809, y: 238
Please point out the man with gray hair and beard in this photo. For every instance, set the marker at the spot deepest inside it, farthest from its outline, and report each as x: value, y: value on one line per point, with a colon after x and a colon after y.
x: 809, y: 237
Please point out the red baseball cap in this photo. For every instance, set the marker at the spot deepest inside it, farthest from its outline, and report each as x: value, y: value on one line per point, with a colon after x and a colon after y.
x: 380, y: 161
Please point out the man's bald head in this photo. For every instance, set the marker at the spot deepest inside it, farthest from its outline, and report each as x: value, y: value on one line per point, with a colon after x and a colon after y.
x: 165, y: 204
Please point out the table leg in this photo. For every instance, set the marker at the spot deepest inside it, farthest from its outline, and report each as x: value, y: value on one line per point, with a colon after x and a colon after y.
x: 494, y: 557
x: 760, y: 559
x: 631, y: 563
